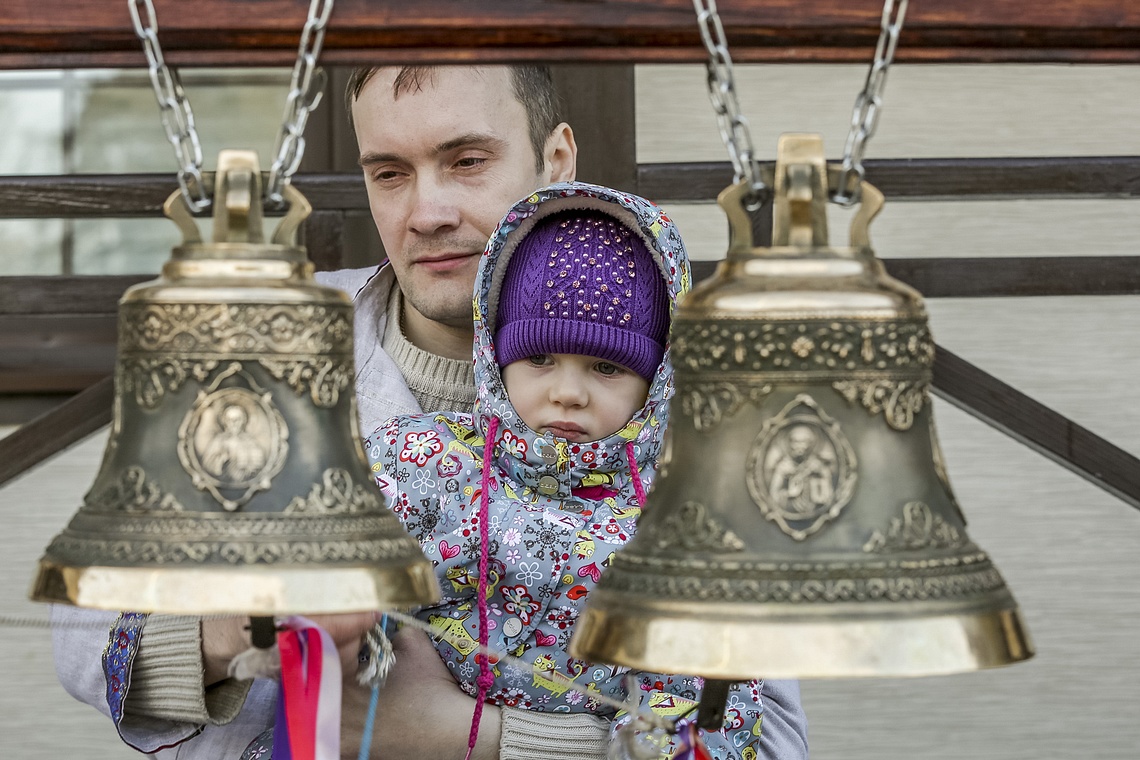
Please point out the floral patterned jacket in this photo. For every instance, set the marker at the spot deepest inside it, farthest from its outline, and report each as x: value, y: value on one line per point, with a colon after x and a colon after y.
x: 557, y: 510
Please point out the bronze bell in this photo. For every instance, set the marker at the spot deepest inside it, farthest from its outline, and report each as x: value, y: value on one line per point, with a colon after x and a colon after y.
x: 234, y: 480
x: 804, y: 525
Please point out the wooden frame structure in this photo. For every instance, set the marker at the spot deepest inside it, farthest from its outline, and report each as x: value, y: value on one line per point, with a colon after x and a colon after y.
x: 80, y: 311
x: 75, y: 33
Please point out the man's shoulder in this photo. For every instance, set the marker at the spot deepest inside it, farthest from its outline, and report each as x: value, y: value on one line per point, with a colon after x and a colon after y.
x: 352, y: 281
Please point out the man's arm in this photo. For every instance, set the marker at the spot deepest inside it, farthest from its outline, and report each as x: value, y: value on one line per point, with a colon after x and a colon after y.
x: 420, y: 685
x: 423, y: 713
x: 100, y: 661
x: 79, y: 637
x: 784, y: 734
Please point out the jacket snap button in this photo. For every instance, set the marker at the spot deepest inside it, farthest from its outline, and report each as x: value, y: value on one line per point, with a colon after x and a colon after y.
x: 547, y: 485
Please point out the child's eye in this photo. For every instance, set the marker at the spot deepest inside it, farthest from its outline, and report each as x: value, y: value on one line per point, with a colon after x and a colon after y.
x: 606, y: 368
x: 539, y: 360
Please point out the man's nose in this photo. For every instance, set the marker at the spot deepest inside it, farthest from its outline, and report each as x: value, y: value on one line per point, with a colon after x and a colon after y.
x: 434, y: 207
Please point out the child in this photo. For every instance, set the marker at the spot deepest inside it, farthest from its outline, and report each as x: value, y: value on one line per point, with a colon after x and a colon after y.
x: 572, y: 308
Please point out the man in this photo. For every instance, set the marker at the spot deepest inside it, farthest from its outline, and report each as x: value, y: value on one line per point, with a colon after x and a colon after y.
x: 445, y: 152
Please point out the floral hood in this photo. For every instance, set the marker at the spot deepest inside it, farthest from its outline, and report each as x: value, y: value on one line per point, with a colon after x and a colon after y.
x: 522, y: 451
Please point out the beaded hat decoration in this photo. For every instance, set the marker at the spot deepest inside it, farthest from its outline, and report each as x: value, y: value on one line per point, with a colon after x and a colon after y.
x: 581, y: 282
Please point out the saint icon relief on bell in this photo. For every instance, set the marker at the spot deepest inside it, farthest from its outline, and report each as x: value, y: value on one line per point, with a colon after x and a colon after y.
x: 233, y: 441
x: 801, y: 470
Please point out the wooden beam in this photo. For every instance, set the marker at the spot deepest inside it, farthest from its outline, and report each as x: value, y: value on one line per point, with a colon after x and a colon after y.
x: 55, y: 352
x: 72, y: 33
x: 1027, y: 421
x: 65, y: 294
x: 54, y: 431
x: 142, y: 195
x: 322, y: 234
x: 1007, y: 276
x: 930, y: 179
x: 58, y: 334
x: 599, y: 103
x: 1019, y: 276
x: 18, y: 409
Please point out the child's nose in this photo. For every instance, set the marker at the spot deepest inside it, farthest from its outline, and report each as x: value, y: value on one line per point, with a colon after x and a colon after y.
x: 568, y: 390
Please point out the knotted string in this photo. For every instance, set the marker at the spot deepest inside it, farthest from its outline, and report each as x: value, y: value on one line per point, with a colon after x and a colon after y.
x: 369, y: 725
x: 373, y: 701
x: 638, y: 488
x: 486, y: 678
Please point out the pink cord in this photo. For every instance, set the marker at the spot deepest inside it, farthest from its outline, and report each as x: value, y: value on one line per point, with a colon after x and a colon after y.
x: 486, y: 677
x: 638, y: 488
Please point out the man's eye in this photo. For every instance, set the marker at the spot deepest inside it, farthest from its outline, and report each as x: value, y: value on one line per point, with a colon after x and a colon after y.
x: 386, y: 176
x: 470, y: 162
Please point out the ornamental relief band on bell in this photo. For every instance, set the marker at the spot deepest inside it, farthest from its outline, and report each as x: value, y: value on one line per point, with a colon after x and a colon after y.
x: 816, y: 348
x: 203, y: 526
x: 233, y: 553
x: 132, y: 493
x: 964, y: 581
x: 919, y: 529
x: 323, y: 379
x: 148, y: 380
x: 801, y: 470
x: 336, y: 494
x: 710, y: 403
x: 162, y: 346
x: 235, y: 329
x: 900, y: 401
x: 692, y: 528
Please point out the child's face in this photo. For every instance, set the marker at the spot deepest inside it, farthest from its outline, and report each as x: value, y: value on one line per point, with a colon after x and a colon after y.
x: 579, y: 398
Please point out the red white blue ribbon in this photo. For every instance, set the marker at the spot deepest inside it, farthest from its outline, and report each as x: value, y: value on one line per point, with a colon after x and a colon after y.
x: 308, y: 705
x: 691, y: 747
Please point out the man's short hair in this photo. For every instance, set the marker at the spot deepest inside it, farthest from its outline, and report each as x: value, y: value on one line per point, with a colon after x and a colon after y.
x: 533, y: 87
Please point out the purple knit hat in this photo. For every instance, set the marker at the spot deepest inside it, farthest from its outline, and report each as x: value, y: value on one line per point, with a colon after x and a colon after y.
x: 581, y: 282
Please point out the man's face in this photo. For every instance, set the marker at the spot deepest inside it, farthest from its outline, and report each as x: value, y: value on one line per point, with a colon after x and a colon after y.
x: 442, y: 165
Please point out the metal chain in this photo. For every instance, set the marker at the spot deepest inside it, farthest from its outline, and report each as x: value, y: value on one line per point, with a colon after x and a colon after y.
x: 177, y: 117
x: 865, y: 116
x: 734, y: 127
x: 305, y: 90
x: 722, y: 92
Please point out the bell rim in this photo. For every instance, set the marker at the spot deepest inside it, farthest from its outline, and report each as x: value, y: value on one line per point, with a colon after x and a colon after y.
x: 251, y: 590
x: 856, y: 641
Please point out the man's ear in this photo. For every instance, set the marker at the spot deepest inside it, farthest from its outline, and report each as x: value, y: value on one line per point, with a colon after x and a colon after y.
x: 561, y: 155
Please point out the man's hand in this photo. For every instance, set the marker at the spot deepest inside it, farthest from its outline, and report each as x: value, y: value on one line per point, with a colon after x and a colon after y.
x: 422, y: 711
x: 226, y: 638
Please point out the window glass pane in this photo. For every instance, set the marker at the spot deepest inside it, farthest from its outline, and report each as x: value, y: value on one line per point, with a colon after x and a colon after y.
x: 108, y: 122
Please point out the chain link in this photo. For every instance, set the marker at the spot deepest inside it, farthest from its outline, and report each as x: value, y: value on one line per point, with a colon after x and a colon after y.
x: 305, y: 90
x: 722, y: 92
x: 734, y: 127
x: 177, y: 118
x: 865, y: 116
